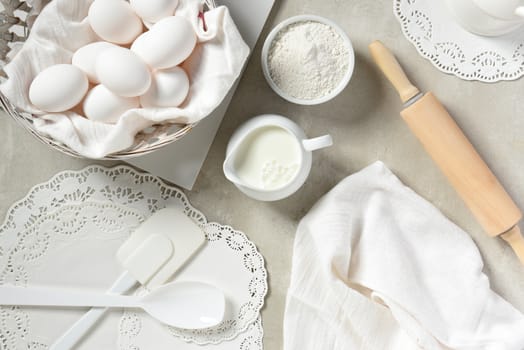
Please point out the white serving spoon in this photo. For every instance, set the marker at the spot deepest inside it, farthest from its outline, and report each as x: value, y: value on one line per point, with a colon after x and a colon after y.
x: 190, y: 305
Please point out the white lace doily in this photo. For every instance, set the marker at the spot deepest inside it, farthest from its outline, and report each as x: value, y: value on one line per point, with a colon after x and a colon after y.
x: 429, y: 25
x: 65, y: 233
x: 133, y: 329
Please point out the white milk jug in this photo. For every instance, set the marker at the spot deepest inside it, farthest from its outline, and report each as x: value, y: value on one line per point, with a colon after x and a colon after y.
x: 488, y: 17
x: 269, y: 157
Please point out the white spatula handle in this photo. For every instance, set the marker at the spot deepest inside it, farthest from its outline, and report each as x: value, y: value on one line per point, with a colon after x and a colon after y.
x: 81, y: 327
x: 35, y: 296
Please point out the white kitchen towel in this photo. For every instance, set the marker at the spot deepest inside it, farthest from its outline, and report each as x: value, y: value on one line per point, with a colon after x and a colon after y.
x: 375, y: 266
x: 62, y: 28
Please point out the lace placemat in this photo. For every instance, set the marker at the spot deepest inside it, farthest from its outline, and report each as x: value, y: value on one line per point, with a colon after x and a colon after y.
x: 65, y: 233
x: 429, y: 25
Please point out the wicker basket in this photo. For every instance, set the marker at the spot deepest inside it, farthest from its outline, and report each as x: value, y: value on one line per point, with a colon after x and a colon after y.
x: 146, y: 141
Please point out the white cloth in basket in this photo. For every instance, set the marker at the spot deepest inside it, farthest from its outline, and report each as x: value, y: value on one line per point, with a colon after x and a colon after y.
x: 62, y: 28
x: 377, y: 267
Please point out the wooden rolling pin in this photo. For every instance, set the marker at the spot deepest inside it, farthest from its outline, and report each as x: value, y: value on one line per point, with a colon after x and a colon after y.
x: 454, y: 154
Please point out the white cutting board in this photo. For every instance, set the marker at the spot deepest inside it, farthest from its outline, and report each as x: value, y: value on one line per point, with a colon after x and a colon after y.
x: 180, y: 162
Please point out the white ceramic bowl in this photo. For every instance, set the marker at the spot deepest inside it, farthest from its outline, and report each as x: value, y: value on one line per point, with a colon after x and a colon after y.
x: 304, y: 18
x: 475, y: 20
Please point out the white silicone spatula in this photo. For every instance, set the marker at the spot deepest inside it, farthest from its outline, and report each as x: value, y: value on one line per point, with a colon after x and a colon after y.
x: 151, y: 255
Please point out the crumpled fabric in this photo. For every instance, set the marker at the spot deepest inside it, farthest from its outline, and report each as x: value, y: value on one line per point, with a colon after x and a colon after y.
x: 375, y: 266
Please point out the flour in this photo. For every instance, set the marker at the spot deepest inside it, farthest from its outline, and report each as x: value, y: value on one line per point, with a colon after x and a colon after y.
x: 308, y: 60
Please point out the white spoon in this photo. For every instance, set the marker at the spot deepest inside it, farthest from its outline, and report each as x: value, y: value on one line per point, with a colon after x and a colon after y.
x: 190, y: 305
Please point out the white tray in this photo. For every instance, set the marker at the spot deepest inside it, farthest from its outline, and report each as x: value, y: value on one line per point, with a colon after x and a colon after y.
x: 180, y: 162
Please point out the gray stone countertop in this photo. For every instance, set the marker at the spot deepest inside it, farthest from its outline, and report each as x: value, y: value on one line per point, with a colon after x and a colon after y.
x: 365, y: 124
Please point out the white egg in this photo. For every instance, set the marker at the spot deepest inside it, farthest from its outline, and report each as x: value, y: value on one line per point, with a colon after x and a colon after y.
x: 167, y: 44
x: 104, y: 106
x: 85, y: 58
x: 123, y: 72
x: 114, y: 21
x: 58, y: 88
x: 169, y: 88
x: 153, y: 11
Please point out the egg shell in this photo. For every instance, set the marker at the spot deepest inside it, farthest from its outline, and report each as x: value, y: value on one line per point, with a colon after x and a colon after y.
x: 153, y: 11
x: 85, y: 58
x: 167, y: 44
x: 123, y: 72
x: 114, y: 21
x: 102, y: 105
x: 169, y: 88
x: 58, y: 88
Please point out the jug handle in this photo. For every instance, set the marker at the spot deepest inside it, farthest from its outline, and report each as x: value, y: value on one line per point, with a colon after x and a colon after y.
x: 317, y: 143
x: 520, y: 11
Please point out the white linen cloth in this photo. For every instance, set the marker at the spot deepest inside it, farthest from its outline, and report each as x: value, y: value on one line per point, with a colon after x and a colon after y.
x: 62, y: 28
x: 376, y: 266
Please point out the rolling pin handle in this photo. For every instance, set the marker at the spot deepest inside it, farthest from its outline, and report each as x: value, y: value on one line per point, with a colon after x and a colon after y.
x: 393, y: 71
x: 516, y: 241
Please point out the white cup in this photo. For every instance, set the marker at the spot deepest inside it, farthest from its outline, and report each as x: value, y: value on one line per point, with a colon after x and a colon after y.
x: 512, y: 10
x: 488, y: 17
x: 306, y: 146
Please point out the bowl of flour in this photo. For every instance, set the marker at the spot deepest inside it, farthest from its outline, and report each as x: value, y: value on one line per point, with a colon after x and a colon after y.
x: 307, y: 59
